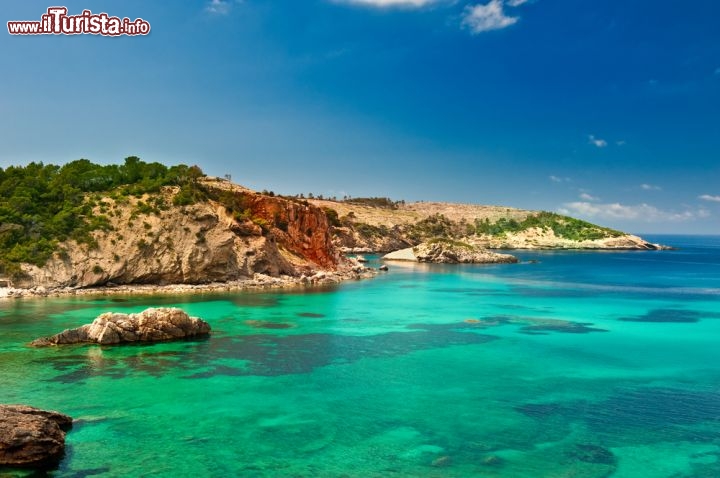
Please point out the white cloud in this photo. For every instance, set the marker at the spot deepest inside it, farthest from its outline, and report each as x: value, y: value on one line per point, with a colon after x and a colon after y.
x: 558, y: 179
x: 708, y: 197
x: 650, y: 187
x: 600, y: 143
x: 220, y: 7
x: 588, y: 197
x: 621, y: 142
x: 516, y: 3
x: 390, y: 3
x: 640, y: 212
x: 483, y: 18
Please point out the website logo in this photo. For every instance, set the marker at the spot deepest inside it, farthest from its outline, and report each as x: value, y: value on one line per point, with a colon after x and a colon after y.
x: 57, y: 22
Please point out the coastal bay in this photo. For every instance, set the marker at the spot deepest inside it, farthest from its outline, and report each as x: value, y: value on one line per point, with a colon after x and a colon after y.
x: 447, y: 370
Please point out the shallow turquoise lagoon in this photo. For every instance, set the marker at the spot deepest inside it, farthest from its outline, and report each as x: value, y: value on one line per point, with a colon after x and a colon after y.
x: 580, y: 365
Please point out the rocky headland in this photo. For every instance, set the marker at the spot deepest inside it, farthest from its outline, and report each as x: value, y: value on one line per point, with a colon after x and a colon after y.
x: 153, y: 229
x: 30, y: 437
x: 150, y: 325
x: 233, y: 234
x: 228, y: 238
x: 380, y: 225
x: 449, y: 252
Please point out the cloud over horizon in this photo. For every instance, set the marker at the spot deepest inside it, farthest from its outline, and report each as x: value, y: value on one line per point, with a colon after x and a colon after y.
x: 389, y: 3
x: 640, y: 212
x: 588, y: 197
x: 708, y: 197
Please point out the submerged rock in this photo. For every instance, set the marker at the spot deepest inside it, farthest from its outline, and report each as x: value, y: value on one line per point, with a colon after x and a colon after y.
x: 441, y: 462
x: 150, y: 325
x: 450, y: 252
x: 492, y: 460
x: 593, y: 454
x: 30, y: 437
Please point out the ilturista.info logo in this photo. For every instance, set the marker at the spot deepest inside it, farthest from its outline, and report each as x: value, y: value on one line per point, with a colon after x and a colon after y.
x: 57, y: 22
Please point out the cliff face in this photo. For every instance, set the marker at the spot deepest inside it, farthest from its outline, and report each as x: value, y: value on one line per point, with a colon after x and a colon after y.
x: 199, y: 243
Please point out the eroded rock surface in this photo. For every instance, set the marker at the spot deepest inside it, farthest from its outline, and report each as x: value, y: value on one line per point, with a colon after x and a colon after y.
x: 150, y: 325
x: 450, y: 252
x: 30, y: 437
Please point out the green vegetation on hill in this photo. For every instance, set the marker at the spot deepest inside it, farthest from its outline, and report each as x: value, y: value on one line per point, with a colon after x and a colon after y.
x: 435, y: 226
x: 41, y: 205
x: 563, y: 226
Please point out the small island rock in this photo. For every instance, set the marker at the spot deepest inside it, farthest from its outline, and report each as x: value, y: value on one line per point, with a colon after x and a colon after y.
x: 449, y: 252
x: 30, y: 437
x: 150, y: 325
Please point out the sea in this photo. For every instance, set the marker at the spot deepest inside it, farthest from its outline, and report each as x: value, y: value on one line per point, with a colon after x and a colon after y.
x: 568, y: 364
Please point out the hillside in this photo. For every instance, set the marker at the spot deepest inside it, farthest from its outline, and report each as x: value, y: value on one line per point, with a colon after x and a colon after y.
x: 381, y: 225
x: 86, y: 225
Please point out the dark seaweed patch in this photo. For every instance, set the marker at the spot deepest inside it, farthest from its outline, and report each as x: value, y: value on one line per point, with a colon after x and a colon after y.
x: 264, y: 324
x: 593, y: 454
x: 90, y: 472
x: 540, y: 326
x: 539, y: 410
x: 310, y: 315
x: 271, y: 356
x: 262, y: 354
x: 562, y: 327
x: 666, y: 316
x: 250, y: 299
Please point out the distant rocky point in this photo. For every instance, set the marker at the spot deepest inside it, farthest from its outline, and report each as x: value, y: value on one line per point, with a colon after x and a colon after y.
x: 30, y: 437
x: 450, y: 252
x: 150, y: 325
x: 367, y: 225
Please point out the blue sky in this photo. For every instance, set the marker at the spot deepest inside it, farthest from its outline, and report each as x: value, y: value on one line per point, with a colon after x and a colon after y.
x: 606, y: 110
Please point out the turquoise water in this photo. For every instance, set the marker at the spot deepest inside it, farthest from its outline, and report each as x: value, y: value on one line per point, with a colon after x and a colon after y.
x: 580, y: 365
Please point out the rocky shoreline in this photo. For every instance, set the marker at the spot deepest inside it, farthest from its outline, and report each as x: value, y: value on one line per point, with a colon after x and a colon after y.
x: 31, y: 437
x: 257, y: 282
x: 449, y: 252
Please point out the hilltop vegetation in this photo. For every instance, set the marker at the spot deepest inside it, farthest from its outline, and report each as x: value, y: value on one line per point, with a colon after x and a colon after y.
x: 380, y: 224
x: 43, y: 205
x: 562, y: 226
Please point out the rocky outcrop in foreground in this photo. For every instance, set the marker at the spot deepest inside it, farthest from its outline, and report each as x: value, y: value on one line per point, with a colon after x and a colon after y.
x: 450, y: 252
x: 150, y: 325
x: 30, y: 437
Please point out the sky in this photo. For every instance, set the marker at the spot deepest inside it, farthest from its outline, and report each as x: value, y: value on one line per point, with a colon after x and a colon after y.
x: 606, y: 110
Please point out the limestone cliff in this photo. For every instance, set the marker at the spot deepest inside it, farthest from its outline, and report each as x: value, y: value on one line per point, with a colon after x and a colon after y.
x: 232, y: 234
